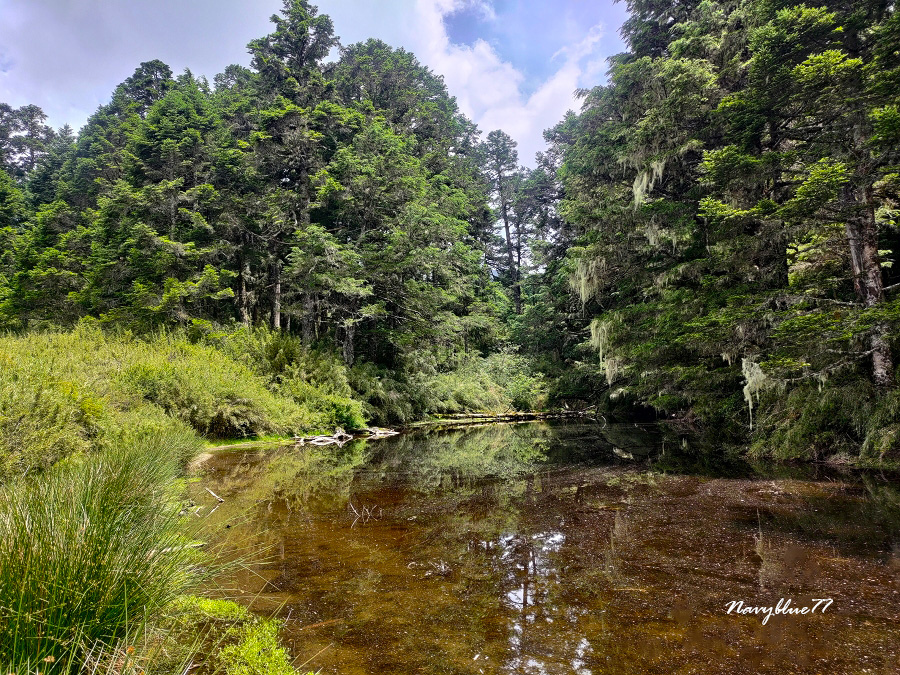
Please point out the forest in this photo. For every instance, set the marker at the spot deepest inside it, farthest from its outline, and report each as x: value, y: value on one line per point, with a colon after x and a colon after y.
x: 708, y: 241
x: 321, y: 240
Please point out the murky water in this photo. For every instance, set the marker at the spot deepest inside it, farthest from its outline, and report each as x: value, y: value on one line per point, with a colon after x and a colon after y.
x: 558, y: 549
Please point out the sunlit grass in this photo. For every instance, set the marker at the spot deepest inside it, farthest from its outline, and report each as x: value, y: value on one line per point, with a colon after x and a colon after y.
x: 87, y: 551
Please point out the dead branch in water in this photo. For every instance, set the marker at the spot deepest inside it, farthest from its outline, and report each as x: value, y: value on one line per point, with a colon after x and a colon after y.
x: 218, y: 498
x: 367, y: 514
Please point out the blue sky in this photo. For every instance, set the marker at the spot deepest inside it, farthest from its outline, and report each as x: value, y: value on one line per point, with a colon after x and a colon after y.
x: 512, y: 64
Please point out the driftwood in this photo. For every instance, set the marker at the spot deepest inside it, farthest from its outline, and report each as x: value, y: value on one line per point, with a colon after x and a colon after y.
x: 376, y: 433
x: 339, y: 437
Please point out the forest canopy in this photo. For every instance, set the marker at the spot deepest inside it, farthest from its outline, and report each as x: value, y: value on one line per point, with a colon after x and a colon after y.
x: 709, y: 240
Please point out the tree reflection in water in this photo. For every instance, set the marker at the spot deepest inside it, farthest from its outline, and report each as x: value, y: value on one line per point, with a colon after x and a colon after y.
x: 534, y: 549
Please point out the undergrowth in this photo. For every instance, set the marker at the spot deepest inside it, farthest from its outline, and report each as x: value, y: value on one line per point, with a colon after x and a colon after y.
x: 844, y: 417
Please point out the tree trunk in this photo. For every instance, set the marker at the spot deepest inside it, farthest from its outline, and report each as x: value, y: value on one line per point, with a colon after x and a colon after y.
x: 347, y: 346
x: 243, y: 295
x: 276, y: 300
x: 862, y: 238
x: 513, y: 271
x: 309, y: 317
x: 517, y: 289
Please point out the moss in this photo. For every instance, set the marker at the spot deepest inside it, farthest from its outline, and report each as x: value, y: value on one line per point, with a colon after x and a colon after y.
x: 224, y: 637
x: 195, y: 608
x: 257, y: 651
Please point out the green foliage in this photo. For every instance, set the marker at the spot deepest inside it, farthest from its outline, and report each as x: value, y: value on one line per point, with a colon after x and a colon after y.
x: 87, y: 551
x: 498, y: 383
x: 523, y: 389
x: 40, y: 421
x: 733, y: 196
x: 66, y: 393
x: 316, y: 380
x: 846, y: 416
x: 256, y: 652
x: 331, y: 410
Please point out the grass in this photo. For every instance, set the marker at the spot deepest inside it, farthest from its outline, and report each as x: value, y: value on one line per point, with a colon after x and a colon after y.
x: 203, y: 635
x: 66, y: 393
x: 87, y: 551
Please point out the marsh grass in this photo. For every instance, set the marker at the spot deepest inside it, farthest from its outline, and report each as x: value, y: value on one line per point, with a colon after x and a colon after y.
x: 64, y: 393
x: 87, y: 552
x: 67, y: 392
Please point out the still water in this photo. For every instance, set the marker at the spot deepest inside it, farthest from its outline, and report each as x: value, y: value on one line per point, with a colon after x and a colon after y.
x: 570, y: 548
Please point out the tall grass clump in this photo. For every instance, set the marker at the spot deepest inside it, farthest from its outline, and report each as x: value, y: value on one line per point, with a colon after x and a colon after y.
x: 87, y: 551
x: 213, y: 393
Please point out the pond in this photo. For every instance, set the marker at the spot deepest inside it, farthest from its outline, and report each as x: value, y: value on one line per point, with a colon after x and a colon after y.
x: 558, y: 548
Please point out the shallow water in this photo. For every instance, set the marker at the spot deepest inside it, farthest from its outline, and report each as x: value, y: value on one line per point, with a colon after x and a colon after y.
x: 571, y: 548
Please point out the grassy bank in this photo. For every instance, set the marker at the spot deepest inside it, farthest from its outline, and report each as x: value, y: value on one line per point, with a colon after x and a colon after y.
x: 94, y: 562
x: 96, y: 429
x: 65, y: 393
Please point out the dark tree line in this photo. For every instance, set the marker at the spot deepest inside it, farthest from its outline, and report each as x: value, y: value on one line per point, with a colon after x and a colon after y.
x: 735, y: 189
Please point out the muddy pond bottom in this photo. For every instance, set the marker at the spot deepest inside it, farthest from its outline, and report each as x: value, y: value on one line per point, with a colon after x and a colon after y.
x: 544, y: 549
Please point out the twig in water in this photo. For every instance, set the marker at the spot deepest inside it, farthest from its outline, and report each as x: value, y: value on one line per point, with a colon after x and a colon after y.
x: 328, y: 646
x: 214, y: 495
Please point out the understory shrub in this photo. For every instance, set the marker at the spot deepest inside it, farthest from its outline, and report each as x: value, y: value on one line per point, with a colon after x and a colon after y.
x: 847, y: 416
x: 498, y: 383
x: 212, y: 393
x: 40, y: 423
x: 317, y: 380
x: 329, y: 410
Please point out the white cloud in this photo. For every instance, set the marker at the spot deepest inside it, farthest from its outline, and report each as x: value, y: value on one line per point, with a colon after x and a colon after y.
x: 67, y: 55
x: 489, y: 89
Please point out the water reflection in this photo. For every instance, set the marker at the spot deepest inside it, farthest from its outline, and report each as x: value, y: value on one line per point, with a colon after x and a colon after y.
x: 538, y: 549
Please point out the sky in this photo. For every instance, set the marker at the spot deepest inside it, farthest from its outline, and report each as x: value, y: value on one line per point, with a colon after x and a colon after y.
x: 512, y: 64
